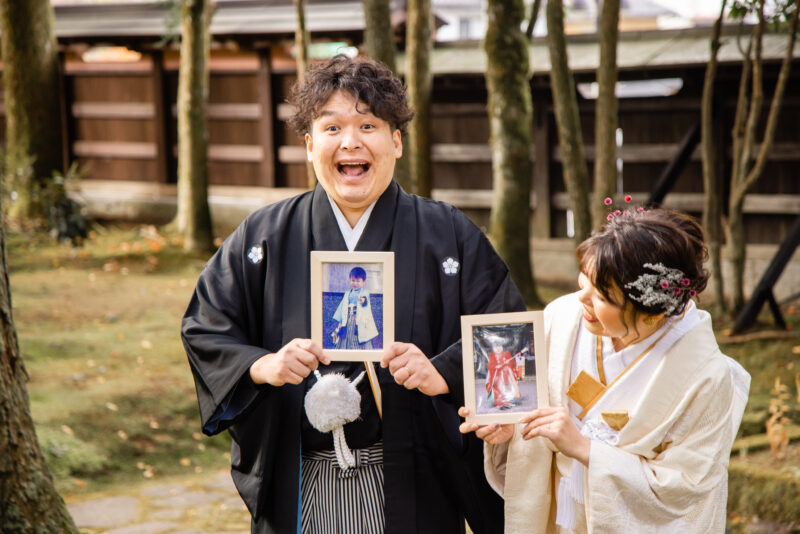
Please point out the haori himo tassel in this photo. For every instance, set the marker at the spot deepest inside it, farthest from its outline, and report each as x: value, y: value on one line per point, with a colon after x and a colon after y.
x: 330, y: 404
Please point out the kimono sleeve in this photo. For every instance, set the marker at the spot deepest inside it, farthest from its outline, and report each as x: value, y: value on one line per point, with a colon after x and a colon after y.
x: 683, y: 488
x: 485, y: 287
x: 219, y: 331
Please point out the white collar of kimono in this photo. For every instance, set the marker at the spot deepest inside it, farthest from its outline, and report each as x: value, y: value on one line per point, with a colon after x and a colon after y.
x: 351, y: 235
x: 614, y: 362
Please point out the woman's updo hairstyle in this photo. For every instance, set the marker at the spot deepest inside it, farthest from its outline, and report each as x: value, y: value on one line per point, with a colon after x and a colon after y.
x: 618, y: 252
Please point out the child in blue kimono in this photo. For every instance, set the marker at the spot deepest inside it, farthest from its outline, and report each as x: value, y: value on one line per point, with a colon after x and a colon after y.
x: 354, y: 315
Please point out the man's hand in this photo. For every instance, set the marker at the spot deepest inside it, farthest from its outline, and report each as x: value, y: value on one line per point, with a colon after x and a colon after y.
x: 290, y: 365
x: 412, y: 369
x: 493, y: 434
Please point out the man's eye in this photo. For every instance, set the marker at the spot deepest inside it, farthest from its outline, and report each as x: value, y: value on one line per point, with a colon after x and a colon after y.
x: 369, y: 127
x: 331, y: 128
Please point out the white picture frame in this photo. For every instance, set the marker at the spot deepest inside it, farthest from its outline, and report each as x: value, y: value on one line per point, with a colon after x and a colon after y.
x: 505, y: 365
x: 331, y: 283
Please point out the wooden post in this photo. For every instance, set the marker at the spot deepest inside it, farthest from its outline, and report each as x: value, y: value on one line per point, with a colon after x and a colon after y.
x: 541, y: 170
x: 674, y: 168
x: 763, y: 291
x: 162, y: 115
x: 65, y: 101
x: 266, y: 124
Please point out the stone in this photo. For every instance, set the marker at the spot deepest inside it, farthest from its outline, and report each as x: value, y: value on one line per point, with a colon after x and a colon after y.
x: 164, y: 491
x: 187, y: 500
x: 110, y: 512
x: 166, y: 513
x: 150, y: 527
x: 222, y: 482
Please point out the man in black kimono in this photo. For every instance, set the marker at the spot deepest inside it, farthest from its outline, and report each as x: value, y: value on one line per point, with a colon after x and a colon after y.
x: 247, y: 327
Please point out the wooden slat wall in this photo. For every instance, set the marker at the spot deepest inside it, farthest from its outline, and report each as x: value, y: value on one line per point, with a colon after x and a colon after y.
x: 121, y: 124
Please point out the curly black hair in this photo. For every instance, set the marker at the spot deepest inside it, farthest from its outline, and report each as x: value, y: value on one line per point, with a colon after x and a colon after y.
x: 370, y: 82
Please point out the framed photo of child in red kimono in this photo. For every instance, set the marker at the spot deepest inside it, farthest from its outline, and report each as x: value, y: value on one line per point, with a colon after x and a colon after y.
x: 505, y: 365
x: 352, y: 303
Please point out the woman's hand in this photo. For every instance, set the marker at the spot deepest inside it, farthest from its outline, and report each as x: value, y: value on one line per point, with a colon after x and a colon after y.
x: 493, y: 434
x: 556, y: 425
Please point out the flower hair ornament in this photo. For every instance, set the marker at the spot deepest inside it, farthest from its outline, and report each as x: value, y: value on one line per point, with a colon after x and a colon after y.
x: 664, y: 287
x: 617, y: 212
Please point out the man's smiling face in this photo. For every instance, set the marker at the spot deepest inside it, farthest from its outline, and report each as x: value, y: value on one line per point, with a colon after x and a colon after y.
x: 353, y: 153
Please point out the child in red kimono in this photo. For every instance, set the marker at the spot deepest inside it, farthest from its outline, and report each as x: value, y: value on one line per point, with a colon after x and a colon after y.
x: 501, y: 380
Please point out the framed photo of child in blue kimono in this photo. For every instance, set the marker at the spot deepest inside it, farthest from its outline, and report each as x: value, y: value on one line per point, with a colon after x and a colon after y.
x: 352, y: 303
x: 505, y: 365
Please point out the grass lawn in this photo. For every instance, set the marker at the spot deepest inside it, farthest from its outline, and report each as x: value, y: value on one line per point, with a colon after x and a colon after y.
x: 110, y: 387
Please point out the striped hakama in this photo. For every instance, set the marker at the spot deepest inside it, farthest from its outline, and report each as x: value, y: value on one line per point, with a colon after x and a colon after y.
x: 350, y: 338
x: 343, y: 502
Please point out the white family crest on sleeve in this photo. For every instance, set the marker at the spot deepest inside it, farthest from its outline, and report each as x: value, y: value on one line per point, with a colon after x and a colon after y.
x: 450, y: 266
x: 255, y: 254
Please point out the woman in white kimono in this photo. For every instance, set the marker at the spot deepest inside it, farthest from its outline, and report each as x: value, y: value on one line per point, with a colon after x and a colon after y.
x: 643, y: 408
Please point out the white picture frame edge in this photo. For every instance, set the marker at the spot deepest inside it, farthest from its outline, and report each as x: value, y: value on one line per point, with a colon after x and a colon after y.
x: 318, y: 259
x: 535, y: 317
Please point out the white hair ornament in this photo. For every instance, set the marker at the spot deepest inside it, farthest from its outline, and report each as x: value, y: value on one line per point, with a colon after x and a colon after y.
x: 664, y: 288
x: 330, y: 404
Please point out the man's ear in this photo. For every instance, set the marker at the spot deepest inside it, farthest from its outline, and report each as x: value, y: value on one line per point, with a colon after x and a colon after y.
x: 397, y: 139
x: 309, y: 146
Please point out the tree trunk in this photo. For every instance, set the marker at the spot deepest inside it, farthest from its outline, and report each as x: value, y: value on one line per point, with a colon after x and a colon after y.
x: 747, y: 173
x: 28, y: 500
x: 419, y: 44
x: 378, y: 36
x: 736, y: 250
x: 510, y: 118
x: 301, y: 40
x: 33, y: 113
x: 379, y: 44
x: 712, y: 201
x: 194, y: 217
x: 565, y: 100
x: 605, y: 113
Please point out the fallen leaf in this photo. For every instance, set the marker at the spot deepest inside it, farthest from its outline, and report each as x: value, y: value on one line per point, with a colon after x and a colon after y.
x: 153, y: 424
x: 111, y: 406
x: 146, y: 344
x: 122, y: 435
x: 67, y: 430
x: 186, y: 462
x: 197, y: 435
x: 78, y: 482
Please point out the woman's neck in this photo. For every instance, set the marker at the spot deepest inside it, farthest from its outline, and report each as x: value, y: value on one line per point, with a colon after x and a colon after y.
x: 642, y: 332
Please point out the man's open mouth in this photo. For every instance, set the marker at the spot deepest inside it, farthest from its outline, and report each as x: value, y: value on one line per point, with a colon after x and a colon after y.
x: 353, y: 168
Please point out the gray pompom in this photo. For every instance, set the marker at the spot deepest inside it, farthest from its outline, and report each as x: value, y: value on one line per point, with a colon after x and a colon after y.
x: 332, y: 402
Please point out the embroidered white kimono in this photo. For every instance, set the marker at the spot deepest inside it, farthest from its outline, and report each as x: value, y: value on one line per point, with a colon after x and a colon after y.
x: 668, y: 469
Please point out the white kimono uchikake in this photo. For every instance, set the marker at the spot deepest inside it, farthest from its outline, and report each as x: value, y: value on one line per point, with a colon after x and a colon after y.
x: 665, y: 471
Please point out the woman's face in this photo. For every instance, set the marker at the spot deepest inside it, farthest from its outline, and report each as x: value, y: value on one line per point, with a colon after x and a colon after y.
x: 601, y: 317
